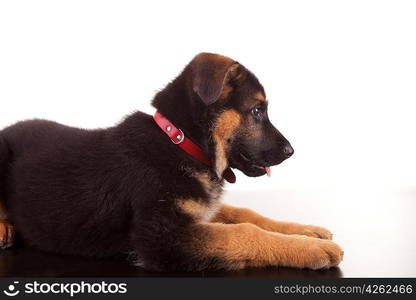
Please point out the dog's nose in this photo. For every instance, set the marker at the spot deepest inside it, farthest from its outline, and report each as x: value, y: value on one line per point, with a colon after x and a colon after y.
x: 288, y: 150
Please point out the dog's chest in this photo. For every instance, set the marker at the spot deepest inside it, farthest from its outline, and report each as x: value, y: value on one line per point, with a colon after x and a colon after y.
x: 203, y: 209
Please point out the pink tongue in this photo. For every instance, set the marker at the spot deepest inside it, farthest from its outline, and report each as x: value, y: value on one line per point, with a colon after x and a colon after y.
x: 268, y: 171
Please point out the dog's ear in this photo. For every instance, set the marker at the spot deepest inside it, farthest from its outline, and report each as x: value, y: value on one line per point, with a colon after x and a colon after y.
x: 211, y: 72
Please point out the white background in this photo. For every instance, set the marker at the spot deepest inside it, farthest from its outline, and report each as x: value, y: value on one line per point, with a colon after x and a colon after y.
x: 340, y: 75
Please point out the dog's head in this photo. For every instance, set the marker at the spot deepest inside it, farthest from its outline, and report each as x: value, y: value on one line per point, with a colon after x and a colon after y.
x: 232, y: 103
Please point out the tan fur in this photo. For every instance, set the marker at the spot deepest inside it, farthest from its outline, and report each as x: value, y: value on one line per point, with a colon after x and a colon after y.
x: 224, y: 127
x: 234, y: 215
x: 199, y: 210
x: 245, y: 244
x: 260, y: 96
x: 6, y: 234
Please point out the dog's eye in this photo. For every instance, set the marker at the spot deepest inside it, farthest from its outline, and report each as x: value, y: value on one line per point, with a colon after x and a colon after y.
x: 257, y: 111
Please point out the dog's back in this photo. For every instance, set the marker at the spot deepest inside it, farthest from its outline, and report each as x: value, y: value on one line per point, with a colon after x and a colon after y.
x: 54, y: 177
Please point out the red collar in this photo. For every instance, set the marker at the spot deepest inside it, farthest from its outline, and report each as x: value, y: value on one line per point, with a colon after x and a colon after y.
x: 178, y: 138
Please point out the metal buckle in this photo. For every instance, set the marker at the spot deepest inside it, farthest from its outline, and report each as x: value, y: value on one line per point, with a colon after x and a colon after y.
x: 180, y: 140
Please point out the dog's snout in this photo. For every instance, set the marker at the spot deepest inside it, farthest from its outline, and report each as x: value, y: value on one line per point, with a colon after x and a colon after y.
x: 288, y: 150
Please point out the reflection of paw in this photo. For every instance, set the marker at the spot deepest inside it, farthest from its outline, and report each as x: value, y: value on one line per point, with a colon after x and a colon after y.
x: 6, y: 235
x: 314, y: 253
x: 316, y: 231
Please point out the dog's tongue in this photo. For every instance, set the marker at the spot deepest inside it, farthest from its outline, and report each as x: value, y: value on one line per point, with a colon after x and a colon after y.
x: 268, y: 171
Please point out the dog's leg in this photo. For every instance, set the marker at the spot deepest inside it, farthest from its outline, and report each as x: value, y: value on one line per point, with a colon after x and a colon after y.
x: 241, y: 245
x: 6, y: 234
x: 234, y: 215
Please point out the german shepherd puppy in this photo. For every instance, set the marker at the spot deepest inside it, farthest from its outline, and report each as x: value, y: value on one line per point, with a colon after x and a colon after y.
x: 130, y: 189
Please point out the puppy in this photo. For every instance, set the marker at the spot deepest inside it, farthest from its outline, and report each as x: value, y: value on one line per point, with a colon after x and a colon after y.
x: 151, y: 186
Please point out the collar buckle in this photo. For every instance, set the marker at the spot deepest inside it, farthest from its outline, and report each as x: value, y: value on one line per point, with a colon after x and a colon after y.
x: 179, y: 138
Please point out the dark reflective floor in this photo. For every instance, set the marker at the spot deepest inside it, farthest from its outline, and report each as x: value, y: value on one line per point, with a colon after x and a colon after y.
x: 31, y: 263
x: 376, y: 229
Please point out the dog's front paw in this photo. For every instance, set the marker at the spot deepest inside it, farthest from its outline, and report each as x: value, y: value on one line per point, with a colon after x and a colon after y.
x: 324, y: 254
x: 315, y: 231
x: 314, y: 253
